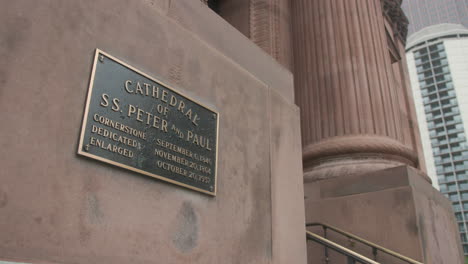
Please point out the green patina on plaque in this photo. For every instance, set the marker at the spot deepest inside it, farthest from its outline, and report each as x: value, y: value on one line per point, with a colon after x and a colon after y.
x: 138, y: 123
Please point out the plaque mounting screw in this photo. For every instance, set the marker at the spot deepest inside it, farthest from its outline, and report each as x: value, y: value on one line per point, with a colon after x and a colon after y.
x: 87, y: 147
x: 101, y: 58
x: 211, y: 188
x: 214, y: 116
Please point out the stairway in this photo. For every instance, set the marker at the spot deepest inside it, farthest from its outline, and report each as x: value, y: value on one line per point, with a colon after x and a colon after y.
x: 348, y: 256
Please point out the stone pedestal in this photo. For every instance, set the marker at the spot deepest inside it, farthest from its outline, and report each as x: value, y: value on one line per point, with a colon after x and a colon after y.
x: 395, y: 208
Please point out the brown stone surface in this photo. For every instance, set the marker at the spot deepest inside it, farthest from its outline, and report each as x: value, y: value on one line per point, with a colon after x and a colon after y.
x: 286, y: 164
x: 237, y: 13
x: 395, y: 208
x: 57, y: 207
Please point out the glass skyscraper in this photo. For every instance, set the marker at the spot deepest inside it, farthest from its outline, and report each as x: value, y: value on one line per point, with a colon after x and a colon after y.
x: 424, y: 13
x: 438, y: 66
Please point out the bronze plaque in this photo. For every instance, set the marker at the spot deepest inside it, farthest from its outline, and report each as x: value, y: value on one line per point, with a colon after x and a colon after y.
x: 136, y: 122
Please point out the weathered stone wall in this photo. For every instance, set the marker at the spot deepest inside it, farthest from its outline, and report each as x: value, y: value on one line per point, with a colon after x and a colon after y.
x: 57, y: 207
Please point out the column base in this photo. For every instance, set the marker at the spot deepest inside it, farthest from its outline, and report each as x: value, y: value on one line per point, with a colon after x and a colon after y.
x: 395, y: 208
x: 354, y: 154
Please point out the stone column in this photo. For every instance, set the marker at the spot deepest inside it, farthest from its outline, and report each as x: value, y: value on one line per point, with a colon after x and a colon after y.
x: 350, y: 112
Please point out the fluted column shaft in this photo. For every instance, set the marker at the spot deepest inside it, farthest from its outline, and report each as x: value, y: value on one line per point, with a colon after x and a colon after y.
x: 345, y: 86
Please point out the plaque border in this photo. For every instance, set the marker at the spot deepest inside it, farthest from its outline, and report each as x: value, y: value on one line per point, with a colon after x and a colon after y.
x: 85, y: 120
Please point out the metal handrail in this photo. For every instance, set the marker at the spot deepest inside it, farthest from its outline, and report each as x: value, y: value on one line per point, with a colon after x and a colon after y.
x: 332, y: 245
x: 374, y: 247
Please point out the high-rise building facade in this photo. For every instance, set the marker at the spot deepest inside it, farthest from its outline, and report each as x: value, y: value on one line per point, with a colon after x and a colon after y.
x: 438, y: 65
x: 424, y: 13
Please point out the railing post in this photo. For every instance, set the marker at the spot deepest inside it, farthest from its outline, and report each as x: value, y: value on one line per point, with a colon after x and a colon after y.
x: 374, y: 252
x: 351, y: 242
x: 326, y: 248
